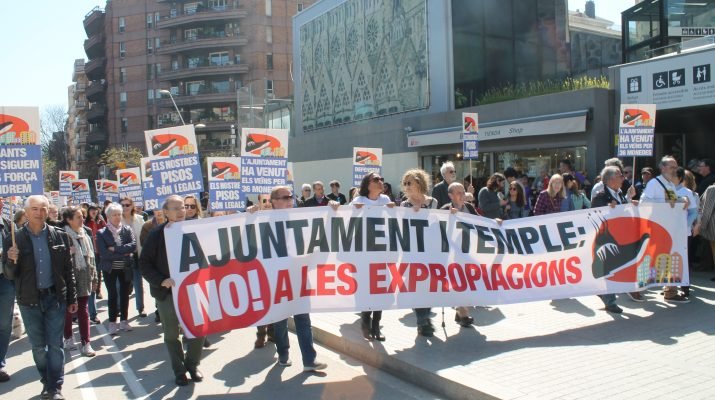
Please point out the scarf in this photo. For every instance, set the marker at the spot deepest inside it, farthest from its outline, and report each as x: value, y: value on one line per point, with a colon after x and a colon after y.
x: 83, y: 255
x: 115, y: 232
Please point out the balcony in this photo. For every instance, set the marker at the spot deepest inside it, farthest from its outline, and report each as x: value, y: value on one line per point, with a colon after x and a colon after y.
x: 94, y: 21
x: 97, y: 136
x: 96, y: 92
x: 203, y: 69
x: 78, y: 89
x: 202, y: 96
x: 96, y: 113
x: 94, y: 46
x: 214, y: 145
x: 178, y: 18
x: 95, y: 69
x: 200, y: 43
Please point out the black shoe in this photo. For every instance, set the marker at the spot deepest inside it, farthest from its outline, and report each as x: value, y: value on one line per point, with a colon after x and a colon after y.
x: 181, y: 380
x: 4, y: 376
x: 614, y: 309
x: 196, y: 375
x: 463, y: 321
x: 426, y: 330
x: 712, y: 279
x: 57, y: 395
x: 142, y: 314
x: 260, y: 341
x: 207, y: 344
x: 365, y: 323
x: 157, y: 318
x: 375, y: 331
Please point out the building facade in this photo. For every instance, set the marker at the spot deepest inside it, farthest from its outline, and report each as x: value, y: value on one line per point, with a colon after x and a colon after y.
x: 399, y: 74
x: 77, y: 128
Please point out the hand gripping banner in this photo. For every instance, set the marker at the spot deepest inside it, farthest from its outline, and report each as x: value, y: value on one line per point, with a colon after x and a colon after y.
x: 254, y: 269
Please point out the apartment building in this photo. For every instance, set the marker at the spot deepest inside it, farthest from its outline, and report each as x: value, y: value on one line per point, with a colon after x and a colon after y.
x: 77, y: 127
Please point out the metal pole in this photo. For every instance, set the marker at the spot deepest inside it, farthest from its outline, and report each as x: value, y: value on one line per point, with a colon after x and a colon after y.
x: 250, y: 98
x: 177, y: 108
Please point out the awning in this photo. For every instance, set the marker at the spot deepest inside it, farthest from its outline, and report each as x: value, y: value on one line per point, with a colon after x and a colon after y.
x: 550, y: 124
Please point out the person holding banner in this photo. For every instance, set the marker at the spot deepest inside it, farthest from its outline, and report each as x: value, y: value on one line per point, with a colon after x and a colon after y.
x: 335, y: 194
x: 40, y: 263
x: 517, y: 206
x: 549, y: 200
x: 117, y: 244
x: 154, y: 267
x: 612, y: 195
x: 370, y: 194
x: 264, y: 332
x: 491, y: 197
x: 686, y: 188
x: 319, y: 198
x: 414, y: 184
x: 457, y: 194
x: 440, y: 190
x: 85, y: 272
x: 157, y: 220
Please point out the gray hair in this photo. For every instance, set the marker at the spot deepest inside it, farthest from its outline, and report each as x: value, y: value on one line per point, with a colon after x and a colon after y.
x: 445, y: 165
x: 609, y: 172
x: 665, y: 159
x: 613, y: 162
x: 318, y: 183
x: 165, y: 204
x: 454, y: 185
x: 113, y: 208
x: 305, y: 186
x: 36, y: 198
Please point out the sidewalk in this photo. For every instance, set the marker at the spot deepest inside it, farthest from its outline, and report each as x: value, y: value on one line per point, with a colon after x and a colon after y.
x: 561, y: 349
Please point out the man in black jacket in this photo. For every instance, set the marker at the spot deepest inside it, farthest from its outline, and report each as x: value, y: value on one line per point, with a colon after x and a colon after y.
x: 439, y: 191
x: 7, y: 302
x: 41, y: 265
x: 154, y: 267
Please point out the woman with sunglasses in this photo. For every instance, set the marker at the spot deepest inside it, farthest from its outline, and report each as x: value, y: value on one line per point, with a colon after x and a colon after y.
x: 95, y: 223
x: 415, y: 183
x: 370, y: 194
x: 131, y: 219
x: 490, y: 198
x: 549, y: 200
x: 117, y: 244
x: 516, y: 206
x: 192, y: 207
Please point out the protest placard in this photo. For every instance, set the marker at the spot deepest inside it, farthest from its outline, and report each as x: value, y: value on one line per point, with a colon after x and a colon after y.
x: 264, y: 159
x: 20, y: 153
x: 66, y: 178
x: 172, y: 141
x: 636, y: 130
x: 254, y: 269
x: 130, y: 184
x: 225, y: 184
x: 366, y: 160
x: 80, y: 191
x: 470, y: 136
x: 151, y: 201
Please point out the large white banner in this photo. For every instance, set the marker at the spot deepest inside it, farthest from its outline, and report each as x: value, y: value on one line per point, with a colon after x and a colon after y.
x: 248, y: 269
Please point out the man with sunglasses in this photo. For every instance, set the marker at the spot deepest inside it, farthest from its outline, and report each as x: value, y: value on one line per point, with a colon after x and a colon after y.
x: 440, y: 190
x: 154, y: 266
x: 281, y: 198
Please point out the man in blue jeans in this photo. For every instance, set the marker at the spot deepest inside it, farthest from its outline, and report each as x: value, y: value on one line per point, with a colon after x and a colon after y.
x: 41, y: 265
x: 281, y: 198
x: 7, y: 301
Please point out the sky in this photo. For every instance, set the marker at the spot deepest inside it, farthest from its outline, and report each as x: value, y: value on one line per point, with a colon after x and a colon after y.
x: 51, y: 36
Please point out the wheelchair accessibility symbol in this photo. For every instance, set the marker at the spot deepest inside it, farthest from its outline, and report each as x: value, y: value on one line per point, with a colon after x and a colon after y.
x: 660, y: 81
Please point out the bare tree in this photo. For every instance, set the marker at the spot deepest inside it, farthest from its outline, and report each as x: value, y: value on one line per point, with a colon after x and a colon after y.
x: 52, y: 119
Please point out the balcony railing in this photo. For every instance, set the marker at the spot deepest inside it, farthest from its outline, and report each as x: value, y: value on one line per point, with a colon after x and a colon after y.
x: 203, y: 68
x: 202, y: 42
x: 94, y: 69
x: 177, y: 17
x: 94, y: 46
x: 93, y: 21
x: 96, y: 113
x: 96, y: 91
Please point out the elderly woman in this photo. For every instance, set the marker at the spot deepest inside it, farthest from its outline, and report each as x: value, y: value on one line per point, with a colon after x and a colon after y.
x: 549, y: 200
x: 490, y: 198
x: 415, y: 183
x: 132, y: 219
x: 370, y: 193
x: 85, y: 272
x: 117, y: 244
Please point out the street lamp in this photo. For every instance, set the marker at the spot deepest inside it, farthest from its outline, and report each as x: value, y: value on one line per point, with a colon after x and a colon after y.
x: 164, y: 91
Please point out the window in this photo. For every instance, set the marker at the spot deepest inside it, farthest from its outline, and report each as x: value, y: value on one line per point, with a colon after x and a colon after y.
x: 194, y: 88
x: 158, y: 68
x: 150, y: 72
x: 269, y: 34
x: 217, y: 4
x: 122, y: 99
x: 269, y: 87
x: 122, y: 24
x: 149, y: 21
x: 191, y: 34
x: 125, y: 125
x: 157, y: 43
x: 122, y: 75
x: 300, y: 7
x: 220, y: 86
x: 150, y: 46
x: 150, y: 96
x: 269, y: 61
x: 122, y: 49
x: 157, y: 94
x: 218, y: 58
x: 269, y: 8
x: 157, y: 17
x: 150, y: 122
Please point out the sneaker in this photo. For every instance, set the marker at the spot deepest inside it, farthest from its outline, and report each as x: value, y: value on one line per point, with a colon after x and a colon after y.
x: 315, y: 366
x: 142, y: 314
x: 677, y: 299
x: 286, y: 363
x: 57, y: 395
x: 70, y: 344
x: 614, y: 309
x: 636, y: 296
x: 124, y: 325
x: 113, y: 328
x: 87, y: 350
x: 4, y: 376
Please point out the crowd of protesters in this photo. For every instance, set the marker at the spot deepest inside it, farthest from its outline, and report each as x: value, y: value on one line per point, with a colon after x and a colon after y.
x: 57, y: 260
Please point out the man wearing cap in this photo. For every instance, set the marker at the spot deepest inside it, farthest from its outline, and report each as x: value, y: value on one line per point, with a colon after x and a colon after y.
x: 647, y: 173
x: 40, y: 263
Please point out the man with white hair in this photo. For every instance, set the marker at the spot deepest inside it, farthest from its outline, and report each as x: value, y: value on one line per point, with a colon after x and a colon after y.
x: 40, y: 263
x: 440, y: 190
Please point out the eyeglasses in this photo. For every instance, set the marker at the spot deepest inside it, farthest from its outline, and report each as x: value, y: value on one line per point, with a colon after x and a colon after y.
x: 512, y: 188
x: 407, y: 183
x: 126, y: 205
x: 264, y: 200
x: 451, y: 171
x: 190, y: 206
x: 306, y: 190
x: 377, y: 179
x: 284, y: 198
